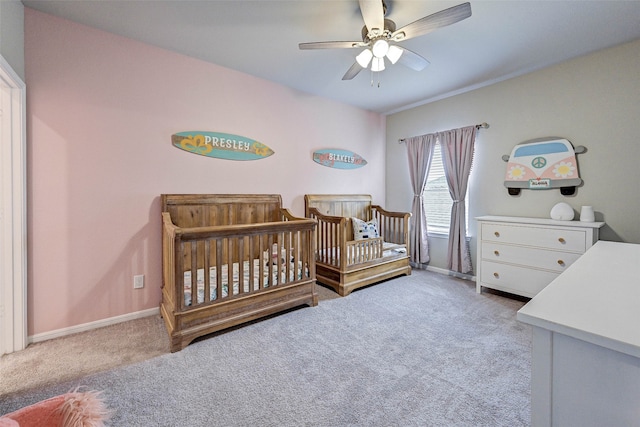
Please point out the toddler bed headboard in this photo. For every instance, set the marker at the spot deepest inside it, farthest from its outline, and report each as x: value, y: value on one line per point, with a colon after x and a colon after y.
x: 342, y: 205
x: 346, y: 205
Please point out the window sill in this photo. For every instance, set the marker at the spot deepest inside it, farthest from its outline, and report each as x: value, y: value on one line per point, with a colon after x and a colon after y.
x: 442, y: 235
x: 438, y: 234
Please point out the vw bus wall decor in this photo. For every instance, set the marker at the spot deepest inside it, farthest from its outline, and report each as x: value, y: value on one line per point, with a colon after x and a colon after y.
x: 543, y: 164
x: 220, y: 145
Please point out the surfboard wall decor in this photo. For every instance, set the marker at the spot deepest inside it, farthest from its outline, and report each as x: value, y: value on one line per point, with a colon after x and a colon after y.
x: 338, y: 159
x: 220, y: 145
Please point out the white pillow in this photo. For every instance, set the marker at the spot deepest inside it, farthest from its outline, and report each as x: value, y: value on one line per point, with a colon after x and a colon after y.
x: 364, y: 230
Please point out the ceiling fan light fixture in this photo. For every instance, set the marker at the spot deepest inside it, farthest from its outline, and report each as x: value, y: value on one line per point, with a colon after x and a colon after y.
x: 377, y: 64
x: 364, y: 58
x: 394, y: 54
x: 380, y: 37
x: 380, y: 48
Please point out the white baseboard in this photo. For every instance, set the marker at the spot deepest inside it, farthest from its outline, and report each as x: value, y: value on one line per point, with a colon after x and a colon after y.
x: 45, y: 336
x: 451, y: 273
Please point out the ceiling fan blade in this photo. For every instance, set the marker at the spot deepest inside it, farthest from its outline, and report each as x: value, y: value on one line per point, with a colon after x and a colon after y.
x: 330, y: 45
x: 372, y: 14
x: 412, y: 60
x: 352, y: 72
x: 433, y: 22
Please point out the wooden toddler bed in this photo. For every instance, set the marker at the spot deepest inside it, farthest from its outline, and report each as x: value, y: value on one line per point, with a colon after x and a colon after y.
x: 346, y: 264
x: 229, y: 259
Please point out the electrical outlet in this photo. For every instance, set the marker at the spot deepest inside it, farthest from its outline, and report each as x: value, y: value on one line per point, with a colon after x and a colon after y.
x: 138, y: 281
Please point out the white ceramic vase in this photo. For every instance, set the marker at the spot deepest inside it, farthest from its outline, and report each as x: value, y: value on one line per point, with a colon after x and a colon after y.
x: 587, y: 214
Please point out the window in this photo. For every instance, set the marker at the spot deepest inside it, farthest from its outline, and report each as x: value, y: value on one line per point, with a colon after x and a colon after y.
x: 436, y: 197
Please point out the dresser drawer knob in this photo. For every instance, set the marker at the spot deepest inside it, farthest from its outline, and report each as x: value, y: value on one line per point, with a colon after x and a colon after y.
x: 496, y: 275
x: 496, y: 234
x: 496, y: 253
x: 561, y: 240
x: 561, y: 262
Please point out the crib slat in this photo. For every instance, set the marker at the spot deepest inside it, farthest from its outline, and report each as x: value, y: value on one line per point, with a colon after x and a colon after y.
x: 332, y: 241
x: 194, y: 273
x: 219, y: 269
x: 296, y: 257
x: 207, y: 269
x: 270, y: 261
x: 241, y: 271
x: 274, y: 279
x: 251, y: 264
x: 287, y: 257
x: 262, y: 244
x: 229, y: 257
x: 324, y: 244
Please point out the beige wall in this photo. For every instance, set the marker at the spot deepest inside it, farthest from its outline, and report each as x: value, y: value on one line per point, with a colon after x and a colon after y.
x: 12, y: 34
x: 101, y: 112
x: 593, y: 101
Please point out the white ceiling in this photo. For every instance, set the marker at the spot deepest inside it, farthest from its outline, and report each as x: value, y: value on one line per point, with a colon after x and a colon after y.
x: 501, y: 39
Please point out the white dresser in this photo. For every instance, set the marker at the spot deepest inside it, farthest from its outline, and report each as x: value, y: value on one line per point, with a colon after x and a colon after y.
x: 585, y: 357
x: 523, y: 255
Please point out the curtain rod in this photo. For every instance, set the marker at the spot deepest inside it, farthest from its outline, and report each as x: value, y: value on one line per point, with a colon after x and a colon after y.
x: 483, y: 125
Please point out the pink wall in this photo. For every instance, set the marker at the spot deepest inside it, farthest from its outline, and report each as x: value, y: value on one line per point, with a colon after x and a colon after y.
x: 101, y: 110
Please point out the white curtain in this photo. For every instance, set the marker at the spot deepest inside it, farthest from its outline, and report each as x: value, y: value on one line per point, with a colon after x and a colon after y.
x: 420, y: 152
x: 457, y: 155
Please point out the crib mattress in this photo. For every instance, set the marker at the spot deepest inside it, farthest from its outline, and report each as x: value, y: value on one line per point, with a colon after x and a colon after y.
x: 294, y: 274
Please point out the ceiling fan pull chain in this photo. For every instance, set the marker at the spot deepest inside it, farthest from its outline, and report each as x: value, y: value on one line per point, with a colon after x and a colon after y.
x: 372, y: 77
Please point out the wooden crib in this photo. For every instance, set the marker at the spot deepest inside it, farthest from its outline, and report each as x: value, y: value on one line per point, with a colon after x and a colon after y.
x: 346, y: 264
x: 259, y: 259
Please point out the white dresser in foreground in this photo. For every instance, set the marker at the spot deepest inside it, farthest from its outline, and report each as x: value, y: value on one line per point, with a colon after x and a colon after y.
x: 585, y: 361
x: 523, y: 255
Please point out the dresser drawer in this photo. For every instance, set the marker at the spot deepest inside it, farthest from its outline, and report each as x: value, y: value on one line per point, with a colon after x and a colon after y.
x: 551, y: 238
x: 516, y: 280
x: 530, y: 257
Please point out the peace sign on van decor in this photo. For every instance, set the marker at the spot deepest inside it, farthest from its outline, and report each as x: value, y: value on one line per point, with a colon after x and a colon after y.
x: 543, y: 164
x: 220, y: 145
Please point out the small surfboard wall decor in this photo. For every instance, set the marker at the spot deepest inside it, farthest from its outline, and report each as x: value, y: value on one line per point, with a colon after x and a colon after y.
x: 220, y: 145
x: 338, y: 159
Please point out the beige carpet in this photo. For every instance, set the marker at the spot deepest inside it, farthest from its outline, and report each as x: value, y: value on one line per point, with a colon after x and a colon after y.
x: 419, y: 350
x: 78, y: 355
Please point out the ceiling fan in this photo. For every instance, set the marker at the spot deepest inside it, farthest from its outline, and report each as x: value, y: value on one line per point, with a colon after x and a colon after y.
x: 380, y: 37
